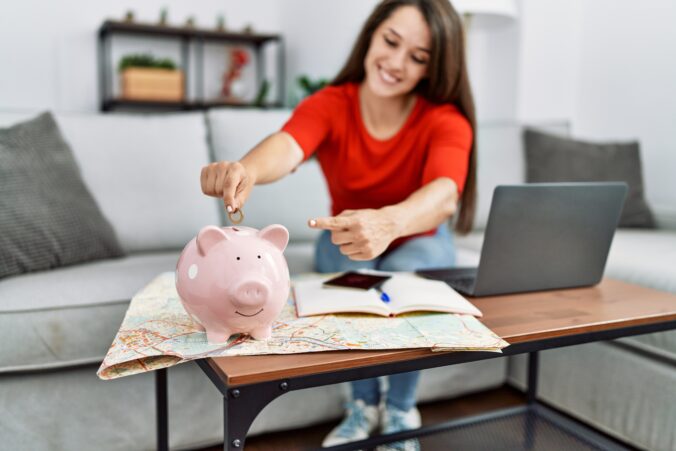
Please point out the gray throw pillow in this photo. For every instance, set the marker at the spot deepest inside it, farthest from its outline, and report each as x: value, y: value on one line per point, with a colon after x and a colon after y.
x: 551, y: 158
x: 48, y: 218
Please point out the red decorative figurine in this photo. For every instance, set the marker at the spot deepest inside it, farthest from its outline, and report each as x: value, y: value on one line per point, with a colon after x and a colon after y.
x: 238, y: 59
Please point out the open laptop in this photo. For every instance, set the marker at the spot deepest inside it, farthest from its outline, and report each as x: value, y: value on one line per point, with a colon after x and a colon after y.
x: 542, y: 236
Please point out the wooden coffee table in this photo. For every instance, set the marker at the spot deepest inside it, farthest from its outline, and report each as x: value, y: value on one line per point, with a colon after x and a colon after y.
x: 530, y: 322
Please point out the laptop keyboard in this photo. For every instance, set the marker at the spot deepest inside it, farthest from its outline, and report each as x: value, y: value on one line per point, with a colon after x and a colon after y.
x: 462, y: 279
x: 463, y: 283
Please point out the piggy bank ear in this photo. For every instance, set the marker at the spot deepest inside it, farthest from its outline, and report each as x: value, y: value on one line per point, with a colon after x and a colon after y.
x: 277, y: 235
x: 208, y: 237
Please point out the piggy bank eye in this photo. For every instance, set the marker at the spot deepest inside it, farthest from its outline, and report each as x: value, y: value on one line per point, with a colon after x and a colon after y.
x: 259, y: 256
x: 237, y: 258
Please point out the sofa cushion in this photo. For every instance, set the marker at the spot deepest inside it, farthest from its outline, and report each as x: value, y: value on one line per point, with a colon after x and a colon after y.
x: 556, y: 159
x: 644, y: 257
x: 144, y: 171
x: 70, y: 315
x: 290, y: 201
x: 49, y: 218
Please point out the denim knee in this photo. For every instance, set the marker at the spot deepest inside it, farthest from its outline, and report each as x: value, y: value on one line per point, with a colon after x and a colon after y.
x: 423, y: 252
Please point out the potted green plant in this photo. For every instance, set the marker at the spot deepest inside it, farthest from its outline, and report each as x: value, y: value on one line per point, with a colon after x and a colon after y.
x: 305, y: 86
x: 309, y: 86
x: 144, y: 77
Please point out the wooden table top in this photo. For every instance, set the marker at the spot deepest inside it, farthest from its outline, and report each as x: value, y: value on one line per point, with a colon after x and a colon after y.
x: 516, y: 318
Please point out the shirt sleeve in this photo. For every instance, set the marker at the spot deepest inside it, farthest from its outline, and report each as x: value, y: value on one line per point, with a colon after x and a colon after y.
x: 449, y: 149
x: 311, y: 121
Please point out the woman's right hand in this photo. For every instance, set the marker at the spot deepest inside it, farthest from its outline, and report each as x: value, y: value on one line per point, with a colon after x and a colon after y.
x: 230, y: 180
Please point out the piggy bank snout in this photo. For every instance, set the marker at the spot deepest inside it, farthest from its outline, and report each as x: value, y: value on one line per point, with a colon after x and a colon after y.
x: 251, y: 293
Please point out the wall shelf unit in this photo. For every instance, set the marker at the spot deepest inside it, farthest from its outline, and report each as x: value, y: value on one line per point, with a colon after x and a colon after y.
x: 191, y: 39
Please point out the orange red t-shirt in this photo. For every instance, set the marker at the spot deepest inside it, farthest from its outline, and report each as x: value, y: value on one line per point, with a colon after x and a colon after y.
x: 364, y: 172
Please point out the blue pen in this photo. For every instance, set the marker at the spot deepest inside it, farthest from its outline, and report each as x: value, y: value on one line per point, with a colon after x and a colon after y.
x: 383, y: 296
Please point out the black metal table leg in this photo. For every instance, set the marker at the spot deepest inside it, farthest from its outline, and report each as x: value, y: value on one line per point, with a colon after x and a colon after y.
x: 533, y: 367
x: 162, y: 413
x: 247, y: 401
x: 531, y: 398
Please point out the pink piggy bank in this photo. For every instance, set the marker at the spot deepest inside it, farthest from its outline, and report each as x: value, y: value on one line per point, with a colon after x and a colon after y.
x: 234, y: 280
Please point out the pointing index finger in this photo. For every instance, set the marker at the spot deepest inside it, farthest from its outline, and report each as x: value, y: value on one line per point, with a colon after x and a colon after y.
x: 331, y: 223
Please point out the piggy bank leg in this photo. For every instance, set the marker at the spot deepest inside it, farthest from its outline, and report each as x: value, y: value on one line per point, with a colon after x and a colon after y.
x: 215, y: 337
x: 262, y: 333
x: 197, y: 324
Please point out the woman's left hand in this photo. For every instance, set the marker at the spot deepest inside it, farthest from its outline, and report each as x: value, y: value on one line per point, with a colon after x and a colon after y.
x: 360, y: 234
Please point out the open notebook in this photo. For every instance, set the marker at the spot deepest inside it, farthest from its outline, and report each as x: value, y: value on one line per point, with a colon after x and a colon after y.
x: 407, y: 293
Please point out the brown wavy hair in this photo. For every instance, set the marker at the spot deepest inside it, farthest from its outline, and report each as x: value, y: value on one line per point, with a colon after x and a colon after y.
x: 446, y: 81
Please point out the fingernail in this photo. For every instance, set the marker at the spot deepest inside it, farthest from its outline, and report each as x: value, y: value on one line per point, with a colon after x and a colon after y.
x: 313, y: 223
x: 229, y: 208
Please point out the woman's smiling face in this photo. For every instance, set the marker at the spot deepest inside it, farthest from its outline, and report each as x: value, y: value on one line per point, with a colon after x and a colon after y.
x: 399, y: 53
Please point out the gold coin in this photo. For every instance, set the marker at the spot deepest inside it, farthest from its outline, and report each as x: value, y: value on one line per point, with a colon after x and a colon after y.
x: 231, y: 216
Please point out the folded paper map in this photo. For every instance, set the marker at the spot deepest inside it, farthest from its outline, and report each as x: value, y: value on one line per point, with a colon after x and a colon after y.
x: 157, y: 333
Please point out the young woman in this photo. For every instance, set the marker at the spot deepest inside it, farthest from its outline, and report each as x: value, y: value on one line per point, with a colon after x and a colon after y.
x: 393, y: 134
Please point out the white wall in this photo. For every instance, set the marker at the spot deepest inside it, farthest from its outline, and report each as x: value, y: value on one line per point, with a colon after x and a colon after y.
x: 608, y: 67
x: 493, y: 56
x: 319, y: 35
x: 548, y: 61
x: 627, y: 85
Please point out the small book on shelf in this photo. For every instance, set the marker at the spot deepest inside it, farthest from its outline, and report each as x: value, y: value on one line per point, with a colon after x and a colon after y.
x: 406, y: 293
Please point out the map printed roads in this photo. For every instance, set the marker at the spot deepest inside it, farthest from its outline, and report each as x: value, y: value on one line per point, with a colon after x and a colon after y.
x: 157, y: 333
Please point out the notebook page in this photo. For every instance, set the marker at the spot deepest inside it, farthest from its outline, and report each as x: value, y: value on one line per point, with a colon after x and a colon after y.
x: 410, y: 293
x: 312, y: 298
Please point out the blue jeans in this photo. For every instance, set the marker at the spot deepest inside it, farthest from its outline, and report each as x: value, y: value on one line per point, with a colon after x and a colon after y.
x: 417, y: 253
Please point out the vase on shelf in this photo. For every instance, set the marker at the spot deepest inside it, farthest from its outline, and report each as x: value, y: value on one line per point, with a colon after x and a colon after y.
x: 234, y: 89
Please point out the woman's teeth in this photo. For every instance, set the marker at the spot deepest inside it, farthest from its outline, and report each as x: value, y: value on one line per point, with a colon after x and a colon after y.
x: 387, y: 77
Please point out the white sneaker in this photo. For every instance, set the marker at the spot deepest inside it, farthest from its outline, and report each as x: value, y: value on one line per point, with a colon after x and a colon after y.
x: 395, y: 420
x: 360, y: 420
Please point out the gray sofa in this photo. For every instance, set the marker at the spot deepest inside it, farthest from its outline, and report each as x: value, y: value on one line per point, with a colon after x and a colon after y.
x: 55, y: 326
